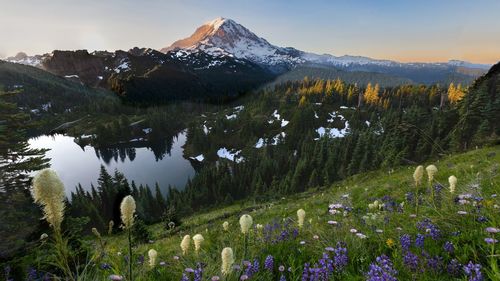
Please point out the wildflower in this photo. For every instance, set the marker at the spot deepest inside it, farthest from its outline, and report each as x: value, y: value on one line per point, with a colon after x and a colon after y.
x: 96, y: 232
x: 115, y: 277
x: 315, y: 237
x: 111, y: 224
x: 419, y: 241
x: 152, y: 254
x: 44, y: 236
x: 332, y: 222
x: 361, y: 235
x: 454, y: 268
x: 185, y: 243
x: 418, y: 174
x: 176, y: 258
x: 462, y: 212
x: 48, y: 191
x: 246, y: 222
x: 269, y: 263
x: 171, y: 225
x: 449, y: 247
x: 198, y: 239
x: 431, y: 171
x: 340, y: 259
x: 225, y: 226
x: 353, y: 230
x: 244, y: 277
x: 215, y: 278
x: 281, y: 268
x: 381, y: 269
x: 301, y: 214
x: 434, y: 263
x: 127, y: 210
x: 410, y: 260
x: 259, y: 226
x: 453, y: 183
x: 405, y: 241
x: 490, y: 240
x: 227, y: 261
x: 390, y: 242
x: 492, y: 230
x: 302, y: 242
x: 473, y: 271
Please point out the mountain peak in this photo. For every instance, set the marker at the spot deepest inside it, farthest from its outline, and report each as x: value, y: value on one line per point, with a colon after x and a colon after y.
x: 223, y: 36
x: 218, y: 22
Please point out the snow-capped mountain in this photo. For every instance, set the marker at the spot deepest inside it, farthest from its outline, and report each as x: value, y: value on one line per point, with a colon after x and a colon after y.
x: 23, y: 58
x: 226, y: 37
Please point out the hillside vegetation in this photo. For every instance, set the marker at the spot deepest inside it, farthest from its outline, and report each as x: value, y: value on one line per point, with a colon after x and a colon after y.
x: 356, y: 229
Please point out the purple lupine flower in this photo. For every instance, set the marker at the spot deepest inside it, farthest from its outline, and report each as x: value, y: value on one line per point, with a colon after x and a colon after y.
x: 454, y: 268
x: 405, y: 241
x: 256, y: 266
x: 269, y: 263
x: 435, y: 263
x: 32, y: 274
x: 140, y: 259
x: 305, y: 272
x: 409, y: 197
x: 448, y: 247
x: 482, y: 219
x: 382, y: 270
x: 419, y: 241
x: 198, y: 272
x: 428, y: 227
x: 411, y: 260
x: 105, y: 266
x: 473, y: 271
x: 184, y: 277
x: 282, y: 278
x: 340, y: 259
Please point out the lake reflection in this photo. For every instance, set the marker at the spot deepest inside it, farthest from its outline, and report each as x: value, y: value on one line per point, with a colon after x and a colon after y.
x: 162, y: 162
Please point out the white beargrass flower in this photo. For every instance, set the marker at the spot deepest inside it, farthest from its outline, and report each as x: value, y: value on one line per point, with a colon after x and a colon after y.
x: 44, y: 236
x: 152, y: 254
x: 48, y: 191
x: 110, y: 227
x: 453, y: 183
x: 185, y: 243
x: 198, y: 239
x: 227, y: 261
x: 225, y: 226
x: 431, y: 171
x: 418, y: 175
x: 96, y: 232
x: 246, y: 222
x: 301, y: 215
x: 127, y: 210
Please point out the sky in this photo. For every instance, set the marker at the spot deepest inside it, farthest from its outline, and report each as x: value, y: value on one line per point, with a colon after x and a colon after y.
x: 403, y: 30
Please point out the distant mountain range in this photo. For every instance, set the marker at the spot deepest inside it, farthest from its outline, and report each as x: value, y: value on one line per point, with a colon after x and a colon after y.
x: 223, y: 58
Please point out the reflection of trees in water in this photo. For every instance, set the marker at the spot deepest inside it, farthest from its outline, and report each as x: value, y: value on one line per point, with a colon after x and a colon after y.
x: 123, y: 151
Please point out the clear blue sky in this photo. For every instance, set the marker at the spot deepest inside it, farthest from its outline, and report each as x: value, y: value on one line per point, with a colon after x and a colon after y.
x: 422, y: 30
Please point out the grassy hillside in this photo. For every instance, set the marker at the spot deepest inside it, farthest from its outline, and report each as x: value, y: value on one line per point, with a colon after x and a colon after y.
x: 319, y: 243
